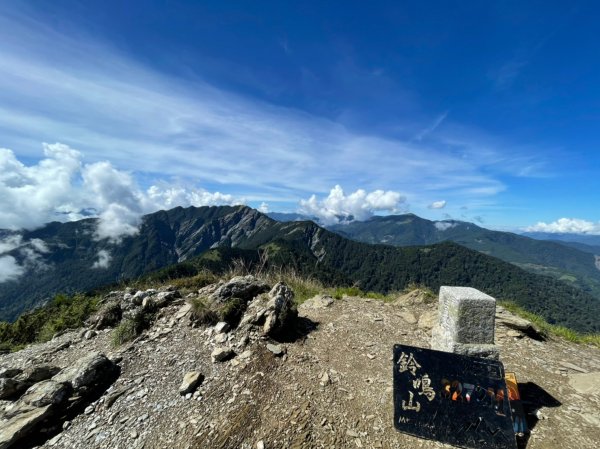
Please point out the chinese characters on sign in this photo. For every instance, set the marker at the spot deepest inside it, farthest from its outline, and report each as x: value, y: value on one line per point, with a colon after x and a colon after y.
x: 422, y: 384
x: 451, y: 398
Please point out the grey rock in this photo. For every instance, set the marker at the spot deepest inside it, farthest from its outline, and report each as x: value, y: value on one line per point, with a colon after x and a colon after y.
x: 20, y: 422
x: 89, y: 334
x: 407, y: 316
x: 221, y: 354
x: 221, y: 338
x: 276, y: 349
x: 88, y: 371
x: 10, y: 372
x: 46, y: 392
x: 222, y: 326
x: 190, y: 382
x: 243, y: 287
x: 116, y: 394
x: 317, y: 302
x: 38, y: 373
x: 573, y: 367
x: 507, y: 319
x: 246, y: 354
x: 275, y: 313
x: 9, y: 387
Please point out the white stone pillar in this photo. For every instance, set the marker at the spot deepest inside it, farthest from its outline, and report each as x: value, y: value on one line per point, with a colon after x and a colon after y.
x: 466, y: 319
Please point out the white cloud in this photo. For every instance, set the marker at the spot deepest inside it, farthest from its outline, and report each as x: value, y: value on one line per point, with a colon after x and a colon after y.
x: 437, y: 205
x: 10, y: 242
x: 358, y: 205
x: 566, y: 225
x: 84, y: 92
x: 104, y: 259
x: 9, y: 269
x: 264, y: 208
x: 30, y: 254
x: 444, y: 225
x: 60, y: 187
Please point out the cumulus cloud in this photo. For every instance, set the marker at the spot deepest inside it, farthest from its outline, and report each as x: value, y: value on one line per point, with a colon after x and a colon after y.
x: 437, y: 205
x: 566, y: 225
x: 104, y: 259
x: 60, y: 187
x: 264, y: 208
x: 359, y: 205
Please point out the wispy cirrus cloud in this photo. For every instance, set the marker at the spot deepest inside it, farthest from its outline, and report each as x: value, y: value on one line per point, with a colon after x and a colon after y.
x: 57, y: 86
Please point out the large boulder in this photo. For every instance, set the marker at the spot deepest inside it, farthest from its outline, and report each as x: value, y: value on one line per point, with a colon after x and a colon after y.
x: 38, y: 373
x: 47, y: 392
x: 242, y: 287
x: 19, y: 422
x: 88, y: 372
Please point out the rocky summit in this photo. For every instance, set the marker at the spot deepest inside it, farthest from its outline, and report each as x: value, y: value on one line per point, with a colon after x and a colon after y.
x: 238, y: 364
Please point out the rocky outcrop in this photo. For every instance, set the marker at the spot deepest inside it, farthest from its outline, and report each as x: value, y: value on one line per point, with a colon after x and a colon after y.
x: 274, y: 313
x: 88, y: 372
x: 242, y: 287
x: 47, y: 400
x: 511, y: 321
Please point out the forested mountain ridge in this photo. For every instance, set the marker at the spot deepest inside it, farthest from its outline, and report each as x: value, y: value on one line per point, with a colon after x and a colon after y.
x: 568, y: 263
x: 196, y: 237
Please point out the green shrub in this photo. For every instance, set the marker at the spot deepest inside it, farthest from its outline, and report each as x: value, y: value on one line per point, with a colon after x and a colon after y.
x: 41, y: 324
x: 339, y: 292
x: 126, y: 331
x: 202, y: 312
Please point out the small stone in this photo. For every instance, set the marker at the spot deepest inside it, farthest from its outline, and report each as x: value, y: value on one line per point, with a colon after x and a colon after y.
x: 246, y: 354
x: 277, y: 350
x: 407, y: 316
x: 573, y: 367
x: 221, y: 354
x: 221, y: 338
x: 351, y: 433
x: 260, y: 445
x: 222, y: 326
x: 371, y: 356
x: 133, y: 434
x: 89, y: 410
x: 513, y: 333
x: 89, y: 334
x: 325, y: 379
x: 190, y: 382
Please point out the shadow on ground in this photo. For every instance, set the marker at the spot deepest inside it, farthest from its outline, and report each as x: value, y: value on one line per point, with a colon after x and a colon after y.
x: 533, y: 397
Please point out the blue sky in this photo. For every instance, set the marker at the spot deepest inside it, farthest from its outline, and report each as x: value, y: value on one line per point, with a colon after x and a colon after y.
x: 480, y: 111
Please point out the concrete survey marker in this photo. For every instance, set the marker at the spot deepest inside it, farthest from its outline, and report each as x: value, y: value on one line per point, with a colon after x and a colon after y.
x: 452, y: 398
x: 465, y: 325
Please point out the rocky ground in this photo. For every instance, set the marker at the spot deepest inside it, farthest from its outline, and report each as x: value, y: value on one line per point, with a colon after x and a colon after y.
x: 327, y: 384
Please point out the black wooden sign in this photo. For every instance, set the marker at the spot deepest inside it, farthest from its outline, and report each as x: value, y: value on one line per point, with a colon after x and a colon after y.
x: 452, y: 398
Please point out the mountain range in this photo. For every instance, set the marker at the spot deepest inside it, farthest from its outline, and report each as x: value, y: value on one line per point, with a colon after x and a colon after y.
x: 191, y: 239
